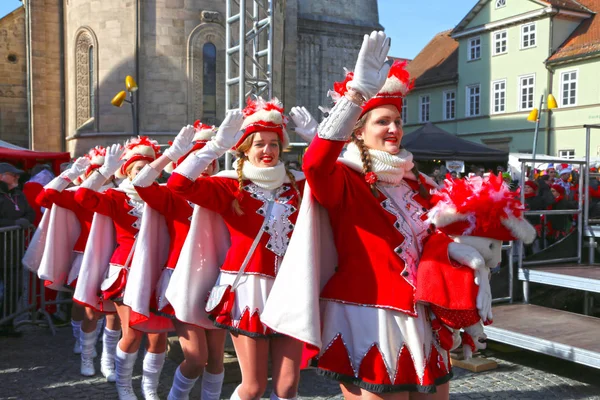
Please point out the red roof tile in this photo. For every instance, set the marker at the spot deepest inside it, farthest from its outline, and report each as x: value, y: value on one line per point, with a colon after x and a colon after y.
x: 572, y: 5
x: 437, y: 62
x: 584, y: 40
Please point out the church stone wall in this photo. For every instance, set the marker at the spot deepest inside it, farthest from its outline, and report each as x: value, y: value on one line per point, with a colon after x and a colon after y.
x: 46, y: 85
x: 13, y: 86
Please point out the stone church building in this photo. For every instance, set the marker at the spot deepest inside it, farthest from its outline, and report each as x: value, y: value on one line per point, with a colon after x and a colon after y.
x: 62, y: 61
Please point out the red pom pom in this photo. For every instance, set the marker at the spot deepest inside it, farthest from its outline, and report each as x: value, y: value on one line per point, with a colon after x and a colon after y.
x: 371, y: 178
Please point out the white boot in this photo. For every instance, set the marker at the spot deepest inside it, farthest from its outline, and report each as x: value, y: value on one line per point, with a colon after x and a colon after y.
x: 88, y: 352
x: 182, y: 387
x: 76, y: 326
x: 211, y: 385
x: 153, y: 365
x: 124, y: 363
x: 110, y: 340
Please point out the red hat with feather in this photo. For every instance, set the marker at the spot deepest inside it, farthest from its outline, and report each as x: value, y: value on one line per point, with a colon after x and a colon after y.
x: 264, y: 116
x: 395, y: 88
x: 136, y: 149
x: 483, y: 207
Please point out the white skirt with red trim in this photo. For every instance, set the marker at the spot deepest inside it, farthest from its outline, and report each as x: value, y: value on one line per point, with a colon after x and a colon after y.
x: 250, y: 298
x: 75, y: 268
x: 381, y: 350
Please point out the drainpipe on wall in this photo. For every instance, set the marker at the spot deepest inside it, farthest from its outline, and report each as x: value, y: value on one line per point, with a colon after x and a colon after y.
x: 28, y: 74
x: 549, y: 86
x: 136, y: 94
x: 63, y: 132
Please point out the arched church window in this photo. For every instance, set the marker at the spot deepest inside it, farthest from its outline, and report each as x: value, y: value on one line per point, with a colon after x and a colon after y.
x: 91, y: 83
x: 85, y: 76
x: 209, y: 83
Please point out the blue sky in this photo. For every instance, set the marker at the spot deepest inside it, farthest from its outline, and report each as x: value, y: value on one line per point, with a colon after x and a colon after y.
x: 411, y: 26
x: 408, y: 22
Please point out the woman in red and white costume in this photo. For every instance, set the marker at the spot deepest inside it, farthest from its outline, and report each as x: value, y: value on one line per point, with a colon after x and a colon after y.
x: 203, y: 345
x: 260, y: 184
x: 371, y: 336
x: 124, y: 206
x: 88, y: 328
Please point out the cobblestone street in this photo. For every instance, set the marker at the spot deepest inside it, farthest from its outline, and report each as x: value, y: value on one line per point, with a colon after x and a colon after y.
x: 41, y: 366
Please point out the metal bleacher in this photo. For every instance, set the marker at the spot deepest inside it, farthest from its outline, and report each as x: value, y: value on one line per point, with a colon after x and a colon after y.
x: 558, y: 333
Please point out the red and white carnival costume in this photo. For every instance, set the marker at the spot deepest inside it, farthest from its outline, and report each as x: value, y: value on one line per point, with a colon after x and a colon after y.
x: 124, y: 207
x: 357, y: 256
x: 175, y: 216
x: 57, y: 195
x: 260, y: 185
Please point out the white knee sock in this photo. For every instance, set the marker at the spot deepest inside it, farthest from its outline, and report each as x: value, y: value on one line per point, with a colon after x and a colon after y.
x: 211, y: 385
x: 182, y: 386
x: 235, y: 395
x: 110, y: 339
x: 275, y: 397
x: 88, y: 342
x: 124, y: 363
x: 153, y: 365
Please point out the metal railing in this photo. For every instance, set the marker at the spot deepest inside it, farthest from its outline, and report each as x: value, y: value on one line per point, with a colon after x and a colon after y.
x: 23, y: 296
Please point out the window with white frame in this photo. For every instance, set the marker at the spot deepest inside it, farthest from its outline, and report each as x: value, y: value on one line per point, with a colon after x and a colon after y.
x: 528, y: 38
x: 474, y: 48
x: 404, y: 111
x: 526, y: 91
x: 499, y: 96
x: 568, y: 86
x: 569, y: 154
x: 473, y: 100
x: 424, y: 104
x: 500, y: 42
x: 449, y: 105
x: 500, y: 3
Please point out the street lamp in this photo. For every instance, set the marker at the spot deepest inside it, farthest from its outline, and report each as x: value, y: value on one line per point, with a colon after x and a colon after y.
x: 534, y: 116
x: 121, y: 97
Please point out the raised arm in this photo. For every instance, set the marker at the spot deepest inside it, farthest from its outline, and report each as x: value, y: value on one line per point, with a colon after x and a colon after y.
x: 323, y: 174
x: 53, y: 191
x: 207, y: 192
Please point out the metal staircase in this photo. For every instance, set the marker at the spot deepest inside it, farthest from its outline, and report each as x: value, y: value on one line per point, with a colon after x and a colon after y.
x: 549, y: 331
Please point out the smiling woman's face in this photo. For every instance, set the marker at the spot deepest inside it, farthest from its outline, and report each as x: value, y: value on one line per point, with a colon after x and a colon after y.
x: 264, y: 151
x: 382, y: 130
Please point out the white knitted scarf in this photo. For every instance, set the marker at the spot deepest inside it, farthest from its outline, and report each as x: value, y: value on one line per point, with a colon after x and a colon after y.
x: 267, y: 178
x: 129, y: 189
x: 390, y: 168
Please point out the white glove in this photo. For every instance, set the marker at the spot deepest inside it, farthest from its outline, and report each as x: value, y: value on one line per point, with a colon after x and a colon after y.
x: 484, y: 295
x: 476, y: 332
x: 77, y: 169
x: 182, y: 144
x: 469, y: 256
x: 371, y: 70
x: 226, y: 135
x: 112, y: 160
x: 306, y: 125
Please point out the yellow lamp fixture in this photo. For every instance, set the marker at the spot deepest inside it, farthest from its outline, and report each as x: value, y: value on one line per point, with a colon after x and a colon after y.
x: 533, y: 115
x: 130, y: 84
x: 552, y: 102
x: 118, y: 100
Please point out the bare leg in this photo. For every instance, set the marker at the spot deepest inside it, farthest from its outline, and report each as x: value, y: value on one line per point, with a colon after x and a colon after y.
x: 253, y: 356
x: 90, y: 320
x: 113, y: 322
x: 215, y: 339
x: 286, y: 355
x: 193, y: 344
x: 77, y: 312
